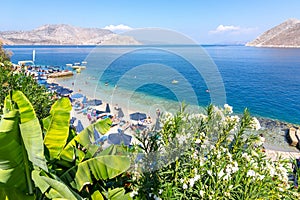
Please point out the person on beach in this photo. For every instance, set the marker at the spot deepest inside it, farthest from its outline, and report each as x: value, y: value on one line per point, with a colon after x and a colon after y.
x: 157, y: 113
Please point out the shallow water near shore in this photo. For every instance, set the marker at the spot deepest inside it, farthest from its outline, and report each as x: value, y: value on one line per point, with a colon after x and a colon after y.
x: 262, y: 79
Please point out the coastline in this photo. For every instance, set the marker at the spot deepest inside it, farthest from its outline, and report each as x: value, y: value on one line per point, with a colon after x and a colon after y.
x: 273, y: 130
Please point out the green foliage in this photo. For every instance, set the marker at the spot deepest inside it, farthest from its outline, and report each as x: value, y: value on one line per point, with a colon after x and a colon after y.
x: 11, y: 80
x: 212, y: 156
x: 56, y: 127
x: 21, y: 142
x: 23, y: 160
x: 4, y: 55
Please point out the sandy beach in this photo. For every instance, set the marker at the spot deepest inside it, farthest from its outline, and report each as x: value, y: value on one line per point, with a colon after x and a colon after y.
x: 276, y: 145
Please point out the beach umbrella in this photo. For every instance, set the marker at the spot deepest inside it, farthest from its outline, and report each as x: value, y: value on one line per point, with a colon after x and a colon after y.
x: 54, y: 87
x: 120, y: 113
x: 79, y: 127
x: 52, y: 84
x: 98, y: 138
x: 137, y: 116
x: 77, y: 95
x: 64, y: 91
x: 72, y: 120
x: 107, y: 109
x: 94, y: 102
x: 84, y: 100
x: 119, y: 138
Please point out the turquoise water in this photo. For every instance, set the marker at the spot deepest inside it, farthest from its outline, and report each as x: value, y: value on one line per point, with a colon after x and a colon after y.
x: 266, y: 80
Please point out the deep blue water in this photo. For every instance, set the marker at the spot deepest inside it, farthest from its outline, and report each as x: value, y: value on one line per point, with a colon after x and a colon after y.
x: 265, y: 80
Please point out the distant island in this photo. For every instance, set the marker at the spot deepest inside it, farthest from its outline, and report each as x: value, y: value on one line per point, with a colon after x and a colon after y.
x: 63, y: 34
x: 285, y: 35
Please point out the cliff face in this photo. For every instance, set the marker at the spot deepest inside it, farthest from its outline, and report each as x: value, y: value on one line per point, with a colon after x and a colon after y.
x: 64, y: 35
x: 286, y: 34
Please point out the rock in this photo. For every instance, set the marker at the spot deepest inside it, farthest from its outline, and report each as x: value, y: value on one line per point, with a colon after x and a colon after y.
x: 286, y: 34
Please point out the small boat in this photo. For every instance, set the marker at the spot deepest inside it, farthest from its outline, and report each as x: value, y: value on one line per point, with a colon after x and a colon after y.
x: 174, y: 81
x: 60, y: 74
x: 78, y: 65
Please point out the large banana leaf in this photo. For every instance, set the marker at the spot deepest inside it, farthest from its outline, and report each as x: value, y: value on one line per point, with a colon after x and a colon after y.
x: 114, y: 150
x: 97, y: 196
x: 20, y: 140
x: 57, y: 127
x: 102, y: 167
x: 53, y: 188
x: 118, y: 194
x: 12, y: 168
x: 30, y: 130
x: 115, y: 194
x: 14, y: 194
x: 85, y: 140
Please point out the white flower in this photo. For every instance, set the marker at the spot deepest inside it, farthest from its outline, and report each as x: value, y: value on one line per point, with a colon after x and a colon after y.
x: 226, y: 177
x: 261, y: 177
x: 202, y: 134
x: 201, y: 192
x: 221, y: 173
x: 227, y: 194
x: 194, y: 155
x: 255, y: 125
x: 188, y: 135
x: 198, y: 141
x: 235, y: 118
x: 133, y: 193
x: 246, y: 156
x: 197, y: 177
x: 192, y: 182
x: 209, y: 172
x: 235, y: 168
x: 261, y: 141
x: 202, y: 116
x: 181, y: 139
x: 251, y: 173
x: 184, y: 186
x: 228, y: 169
x: 227, y: 109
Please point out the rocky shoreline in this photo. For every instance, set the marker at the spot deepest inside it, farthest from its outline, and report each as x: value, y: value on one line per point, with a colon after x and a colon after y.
x: 275, y: 132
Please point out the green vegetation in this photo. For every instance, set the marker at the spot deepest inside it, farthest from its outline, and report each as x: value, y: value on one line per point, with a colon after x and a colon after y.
x: 10, y: 80
x: 212, y: 156
x: 55, y: 162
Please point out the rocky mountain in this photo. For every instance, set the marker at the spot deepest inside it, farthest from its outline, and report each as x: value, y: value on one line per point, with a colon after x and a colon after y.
x: 65, y: 35
x: 286, y: 34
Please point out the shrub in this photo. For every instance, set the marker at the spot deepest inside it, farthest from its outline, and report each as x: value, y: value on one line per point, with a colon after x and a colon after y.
x: 212, y: 156
x: 12, y: 80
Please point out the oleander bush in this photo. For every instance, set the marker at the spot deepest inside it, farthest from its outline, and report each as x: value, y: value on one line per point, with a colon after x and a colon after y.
x: 213, y: 156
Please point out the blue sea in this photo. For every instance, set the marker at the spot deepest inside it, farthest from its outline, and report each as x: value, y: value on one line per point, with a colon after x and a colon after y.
x: 264, y: 80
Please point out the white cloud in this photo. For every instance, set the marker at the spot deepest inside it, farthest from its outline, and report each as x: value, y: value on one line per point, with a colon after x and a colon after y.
x: 223, y: 28
x: 118, y: 28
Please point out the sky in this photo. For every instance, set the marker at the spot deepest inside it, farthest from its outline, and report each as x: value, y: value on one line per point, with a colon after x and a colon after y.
x: 206, y: 22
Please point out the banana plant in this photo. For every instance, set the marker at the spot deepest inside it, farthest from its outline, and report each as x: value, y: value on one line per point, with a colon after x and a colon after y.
x: 22, y: 155
x: 21, y: 145
x: 76, y: 162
